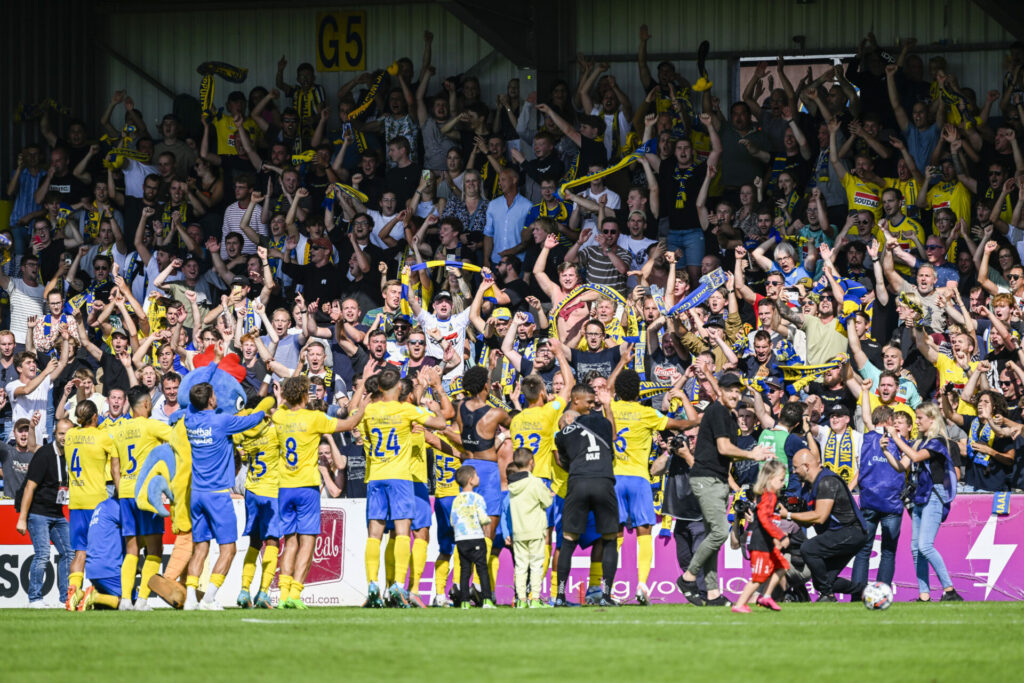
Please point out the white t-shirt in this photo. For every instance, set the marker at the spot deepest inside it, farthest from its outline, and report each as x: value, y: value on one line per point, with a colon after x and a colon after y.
x: 24, y: 406
x: 25, y: 301
x: 135, y: 173
x: 637, y: 250
x: 590, y: 219
x: 456, y: 325
x: 379, y: 221
x: 115, y: 254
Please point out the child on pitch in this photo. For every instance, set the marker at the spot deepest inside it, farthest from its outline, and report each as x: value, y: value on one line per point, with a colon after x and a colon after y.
x: 766, y: 539
x: 529, y: 499
x: 469, y: 517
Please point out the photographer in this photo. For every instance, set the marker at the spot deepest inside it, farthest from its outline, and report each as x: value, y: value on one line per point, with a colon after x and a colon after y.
x: 679, y: 503
x: 838, y: 523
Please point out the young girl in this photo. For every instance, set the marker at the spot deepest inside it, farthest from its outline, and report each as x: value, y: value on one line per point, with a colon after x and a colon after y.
x: 766, y: 539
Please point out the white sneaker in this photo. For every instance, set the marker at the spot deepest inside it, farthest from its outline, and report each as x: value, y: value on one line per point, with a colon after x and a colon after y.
x: 205, y: 606
x: 38, y: 604
x: 191, y: 604
x: 440, y: 601
x: 142, y: 605
x: 643, y: 594
x: 124, y: 605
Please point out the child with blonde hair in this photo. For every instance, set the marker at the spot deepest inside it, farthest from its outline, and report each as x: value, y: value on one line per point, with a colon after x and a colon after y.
x: 766, y: 539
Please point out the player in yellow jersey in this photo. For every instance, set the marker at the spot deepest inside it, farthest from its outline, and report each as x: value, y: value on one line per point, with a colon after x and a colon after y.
x: 636, y: 425
x: 388, y: 440
x: 261, y: 449
x: 298, y: 437
x: 89, y: 450
x: 427, y: 377
x: 134, y: 438
x: 445, y: 459
x: 535, y: 427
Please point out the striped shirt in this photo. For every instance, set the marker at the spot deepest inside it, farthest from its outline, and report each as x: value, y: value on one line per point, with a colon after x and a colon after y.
x: 601, y: 271
x: 25, y: 202
x: 232, y: 223
x: 25, y: 301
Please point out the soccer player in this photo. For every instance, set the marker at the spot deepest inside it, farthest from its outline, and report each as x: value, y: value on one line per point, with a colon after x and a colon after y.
x: 636, y: 425
x: 213, y: 475
x: 535, y: 428
x: 478, y: 425
x: 387, y: 435
x: 446, y: 459
x: 261, y: 449
x: 106, y: 549
x: 134, y: 439
x: 298, y: 437
x: 428, y: 377
x: 584, y: 450
x: 89, y: 451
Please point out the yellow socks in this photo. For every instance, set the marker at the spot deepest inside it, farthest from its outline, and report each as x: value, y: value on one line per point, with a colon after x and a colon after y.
x: 191, y: 581
x: 75, y: 580
x: 150, y: 568
x: 216, y: 581
x: 492, y: 565
x: 644, y: 553
x: 249, y: 567
x: 284, y: 583
x: 456, y: 570
x: 389, y: 561
x: 372, y: 559
x: 402, y: 553
x: 618, y: 544
x: 596, y: 572
x: 128, y: 567
x: 419, y: 561
x: 296, y: 590
x: 441, y: 570
x: 269, y: 566
x: 110, y: 601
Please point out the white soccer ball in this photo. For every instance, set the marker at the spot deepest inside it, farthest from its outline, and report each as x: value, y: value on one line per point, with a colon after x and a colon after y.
x: 877, y: 595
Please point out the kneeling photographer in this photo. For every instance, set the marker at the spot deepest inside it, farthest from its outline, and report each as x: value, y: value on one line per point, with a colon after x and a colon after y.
x: 837, y: 520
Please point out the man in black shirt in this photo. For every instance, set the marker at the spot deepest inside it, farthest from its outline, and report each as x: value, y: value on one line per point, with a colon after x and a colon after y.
x: 838, y: 522
x: 584, y: 450
x: 715, y: 449
x: 40, y: 513
x: 320, y: 279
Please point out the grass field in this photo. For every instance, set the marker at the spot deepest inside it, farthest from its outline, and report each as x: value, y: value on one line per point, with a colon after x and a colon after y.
x: 909, y: 642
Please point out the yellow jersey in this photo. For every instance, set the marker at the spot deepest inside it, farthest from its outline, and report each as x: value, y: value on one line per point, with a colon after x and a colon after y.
x: 951, y: 373
x: 862, y: 196
x: 89, y: 451
x: 905, y: 232
x: 953, y: 196
x: 636, y: 425
x: 261, y: 448
x: 227, y: 133
x: 388, y: 439
x: 298, y: 438
x: 535, y: 428
x: 445, y: 465
x: 418, y: 460
x: 908, y: 188
x: 134, y: 439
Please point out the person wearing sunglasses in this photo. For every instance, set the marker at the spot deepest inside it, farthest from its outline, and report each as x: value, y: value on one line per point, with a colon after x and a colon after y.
x: 606, y: 262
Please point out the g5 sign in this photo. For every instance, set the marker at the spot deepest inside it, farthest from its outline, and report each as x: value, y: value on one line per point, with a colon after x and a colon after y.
x: 341, y: 41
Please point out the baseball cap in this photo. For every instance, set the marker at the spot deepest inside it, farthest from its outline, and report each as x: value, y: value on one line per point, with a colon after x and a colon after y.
x: 502, y: 314
x: 730, y: 379
x: 715, y: 321
x: 839, y: 409
x: 529, y: 318
x: 240, y: 281
x: 22, y: 422
x: 321, y: 242
x: 443, y: 294
x: 772, y: 382
x: 118, y: 330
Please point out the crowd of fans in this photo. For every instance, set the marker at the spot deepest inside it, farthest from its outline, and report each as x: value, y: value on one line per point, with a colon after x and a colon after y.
x: 867, y: 223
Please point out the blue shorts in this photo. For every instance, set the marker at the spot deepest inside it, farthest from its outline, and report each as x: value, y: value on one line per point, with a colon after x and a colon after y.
x: 424, y: 513
x: 499, y: 537
x: 490, y: 484
x: 213, y: 517
x: 136, y: 522
x: 636, y: 501
x: 589, y: 535
x: 262, y: 520
x: 390, y: 499
x: 445, y: 532
x: 691, y: 242
x: 78, y: 521
x: 108, y: 586
x: 300, y: 510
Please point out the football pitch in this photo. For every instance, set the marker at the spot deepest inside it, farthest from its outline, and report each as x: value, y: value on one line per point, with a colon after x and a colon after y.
x: 968, y: 641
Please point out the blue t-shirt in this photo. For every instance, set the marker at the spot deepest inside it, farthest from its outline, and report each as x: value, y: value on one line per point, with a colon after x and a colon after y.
x: 105, y: 546
x: 213, y: 451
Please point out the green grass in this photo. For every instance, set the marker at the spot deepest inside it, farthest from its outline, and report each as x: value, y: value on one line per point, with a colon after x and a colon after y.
x: 970, y: 641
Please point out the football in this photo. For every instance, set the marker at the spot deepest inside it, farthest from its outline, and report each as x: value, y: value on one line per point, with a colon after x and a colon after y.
x: 877, y: 595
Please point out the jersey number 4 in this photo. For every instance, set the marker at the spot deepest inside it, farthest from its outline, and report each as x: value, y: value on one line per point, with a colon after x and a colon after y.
x: 76, y: 464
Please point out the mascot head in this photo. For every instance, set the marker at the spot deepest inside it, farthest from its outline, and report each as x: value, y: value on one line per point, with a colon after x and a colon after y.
x: 225, y: 375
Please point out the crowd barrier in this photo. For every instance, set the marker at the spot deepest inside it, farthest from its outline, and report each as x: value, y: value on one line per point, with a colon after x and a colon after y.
x: 981, y: 550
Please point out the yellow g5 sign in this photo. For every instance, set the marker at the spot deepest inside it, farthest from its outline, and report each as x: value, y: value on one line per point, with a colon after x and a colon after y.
x: 341, y: 41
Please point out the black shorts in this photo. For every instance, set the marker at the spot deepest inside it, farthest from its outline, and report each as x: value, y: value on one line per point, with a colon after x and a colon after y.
x: 586, y: 495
